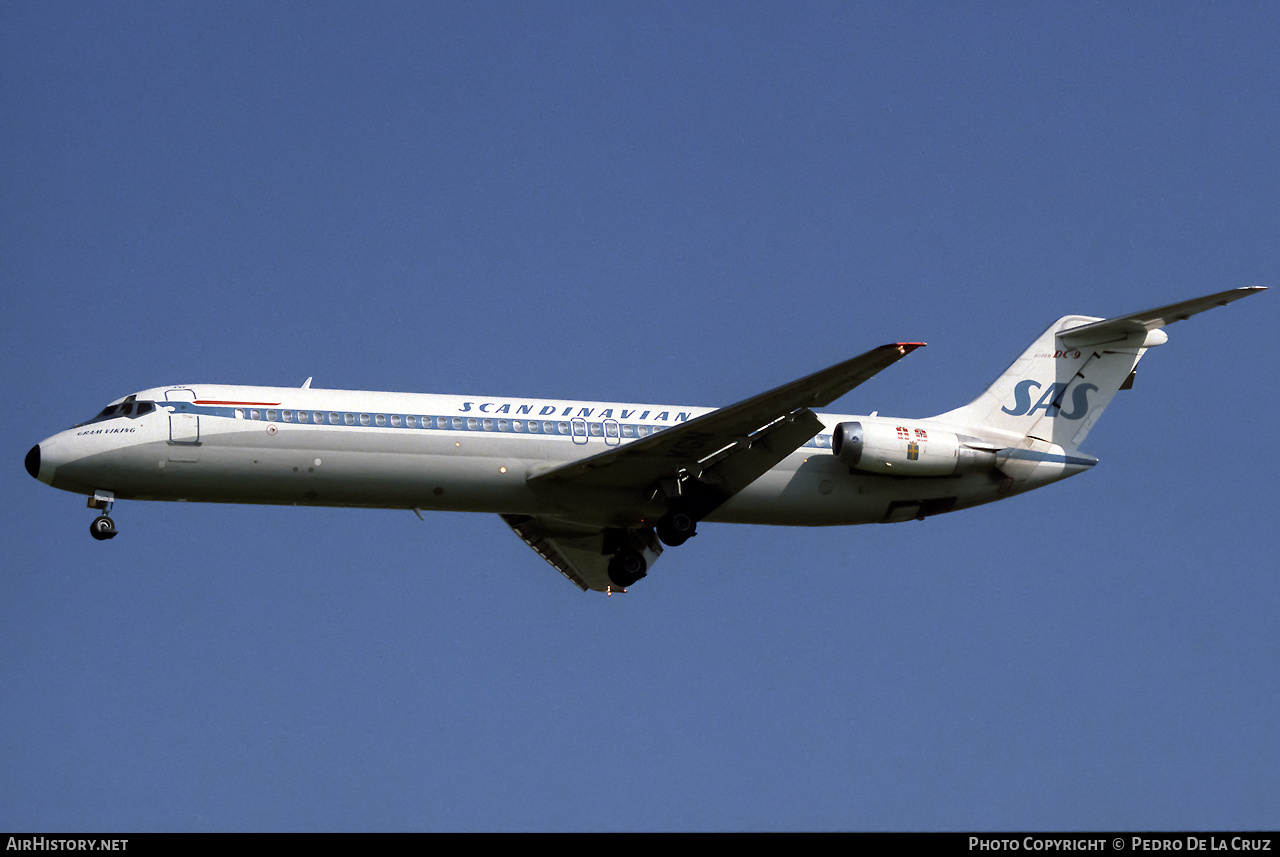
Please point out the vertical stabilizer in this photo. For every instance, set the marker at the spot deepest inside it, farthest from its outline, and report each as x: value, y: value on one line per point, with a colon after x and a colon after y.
x: 1058, y: 388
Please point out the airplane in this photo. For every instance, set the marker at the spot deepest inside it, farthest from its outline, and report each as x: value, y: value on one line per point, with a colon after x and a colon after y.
x: 599, y: 488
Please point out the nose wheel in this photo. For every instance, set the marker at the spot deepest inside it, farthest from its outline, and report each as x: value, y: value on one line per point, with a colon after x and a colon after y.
x: 103, y: 528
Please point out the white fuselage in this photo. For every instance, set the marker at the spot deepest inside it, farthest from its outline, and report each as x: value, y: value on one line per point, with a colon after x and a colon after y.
x: 304, y: 446
x: 597, y: 488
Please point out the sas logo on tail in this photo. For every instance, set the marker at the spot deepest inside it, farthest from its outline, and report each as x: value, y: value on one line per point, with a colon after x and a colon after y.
x: 1050, y: 401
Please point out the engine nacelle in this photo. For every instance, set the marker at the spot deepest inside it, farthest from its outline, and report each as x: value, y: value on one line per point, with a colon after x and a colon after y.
x: 904, y: 450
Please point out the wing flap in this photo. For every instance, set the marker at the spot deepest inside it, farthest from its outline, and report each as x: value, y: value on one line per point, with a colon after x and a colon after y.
x: 559, y: 552
x: 747, y: 460
x: 580, y: 553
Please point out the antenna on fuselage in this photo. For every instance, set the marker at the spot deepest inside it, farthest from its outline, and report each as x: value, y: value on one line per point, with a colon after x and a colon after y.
x: 306, y: 385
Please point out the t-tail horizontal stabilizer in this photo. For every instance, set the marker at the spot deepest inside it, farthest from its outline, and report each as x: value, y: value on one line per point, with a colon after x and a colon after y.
x: 1120, y: 327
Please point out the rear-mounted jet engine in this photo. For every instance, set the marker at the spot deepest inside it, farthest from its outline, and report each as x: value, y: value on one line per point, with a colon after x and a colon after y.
x: 904, y: 450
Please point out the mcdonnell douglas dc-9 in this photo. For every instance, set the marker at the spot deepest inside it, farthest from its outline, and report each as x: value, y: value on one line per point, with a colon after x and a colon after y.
x: 597, y: 488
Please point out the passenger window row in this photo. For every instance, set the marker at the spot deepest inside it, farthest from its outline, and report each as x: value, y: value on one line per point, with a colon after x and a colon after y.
x: 566, y: 428
x: 551, y: 427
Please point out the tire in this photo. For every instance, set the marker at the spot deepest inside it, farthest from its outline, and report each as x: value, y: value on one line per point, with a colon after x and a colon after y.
x: 102, y: 528
x: 676, y: 528
x: 626, y: 568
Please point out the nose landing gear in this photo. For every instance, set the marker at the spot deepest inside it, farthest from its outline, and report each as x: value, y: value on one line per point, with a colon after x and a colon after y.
x: 102, y: 527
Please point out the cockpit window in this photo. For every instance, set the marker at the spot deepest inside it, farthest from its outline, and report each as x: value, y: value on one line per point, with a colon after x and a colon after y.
x: 130, y: 407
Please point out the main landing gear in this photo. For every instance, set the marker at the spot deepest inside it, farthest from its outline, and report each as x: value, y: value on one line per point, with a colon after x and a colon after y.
x: 103, y: 527
x: 631, y: 551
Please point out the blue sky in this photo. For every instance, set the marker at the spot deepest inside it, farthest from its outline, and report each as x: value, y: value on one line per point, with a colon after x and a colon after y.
x: 676, y: 203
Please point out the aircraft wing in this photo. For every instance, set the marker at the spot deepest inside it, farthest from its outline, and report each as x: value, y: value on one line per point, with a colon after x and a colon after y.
x: 724, y: 450
x: 1110, y: 329
x: 733, y: 446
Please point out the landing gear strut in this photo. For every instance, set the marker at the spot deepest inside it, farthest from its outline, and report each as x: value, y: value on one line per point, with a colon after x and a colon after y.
x: 102, y: 527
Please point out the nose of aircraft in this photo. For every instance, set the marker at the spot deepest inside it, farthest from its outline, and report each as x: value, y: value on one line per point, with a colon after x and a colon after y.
x: 48, y: 460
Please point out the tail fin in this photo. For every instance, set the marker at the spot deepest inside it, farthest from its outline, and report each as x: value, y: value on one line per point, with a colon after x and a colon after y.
x: 1060, y: 385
